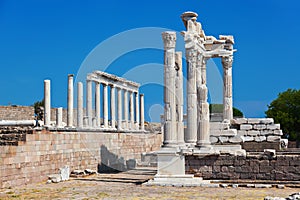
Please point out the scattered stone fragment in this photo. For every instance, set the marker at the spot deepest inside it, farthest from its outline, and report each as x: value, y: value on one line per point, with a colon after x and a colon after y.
x: 90, y: 171
x: 250, y: 185
x: 224, y: 185
x: 55, y: 178
x: 262, y: 186
x: 280, y: 186
x: 235, y: 185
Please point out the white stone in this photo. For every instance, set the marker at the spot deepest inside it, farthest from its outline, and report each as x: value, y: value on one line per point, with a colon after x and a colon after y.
x: 278, y: 132
x: 242, y: 132
x: 219, y: 126
x: 55, y: 178
x: 230, y: 132
x: 262, y: 186
x: 65, y: 173
x: 240, y: 121
x: 246, y: 127
x: 259, y: 126
x: 260, y: 138
x: 213, y: 139
x: 248, y: 138
x: 266, y: 132
x: 273, y: 138
x: 273, y: 126
x: 236, y: 139
x: 253, y: 133
x: 59, y: 113
x: 223, y: 139
x: 254, y: 120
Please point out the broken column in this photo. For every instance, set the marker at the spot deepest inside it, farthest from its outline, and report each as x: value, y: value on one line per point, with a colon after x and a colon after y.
x: 170, y: 128
x: 142, y: 116
x: 70, y: 101
x: 112, y: 106
x: 47, y: 106
x: 79, y: 105
x: 59, y: 113
x: 179, y: 98
x: 227, y: 90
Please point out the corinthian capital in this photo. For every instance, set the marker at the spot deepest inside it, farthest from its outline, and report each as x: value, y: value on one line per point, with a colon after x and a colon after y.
x: 227, y: 61
x: 169, y: 39
x: 191, y: 55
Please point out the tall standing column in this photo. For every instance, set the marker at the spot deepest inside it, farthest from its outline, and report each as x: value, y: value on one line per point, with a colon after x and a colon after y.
x: 79, y: 105
x: 89, y: 103
x: 137, y: 111
x: 191, y: 132
x: 131, y: 110
x: 142, y: 114
x: 97, y: 103
x: 227, y: 90
x: 70, y: 100
x: 112, y: 106
x: 179, y: 98
x: 170, y: 129
x: 203, y: 141
x: 120, y: 109
x: 126, y: 109
x: 47, y: 106
x: 105, y: 105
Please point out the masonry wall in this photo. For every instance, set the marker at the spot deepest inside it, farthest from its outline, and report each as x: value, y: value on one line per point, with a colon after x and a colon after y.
x: 16, y: 113
x: 43, y: 153
x: 254, y: 167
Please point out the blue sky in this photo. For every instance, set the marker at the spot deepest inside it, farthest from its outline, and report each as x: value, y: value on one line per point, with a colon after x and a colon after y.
x: 51, y: 39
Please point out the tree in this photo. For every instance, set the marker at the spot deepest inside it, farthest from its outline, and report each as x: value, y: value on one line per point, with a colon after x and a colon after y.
x: 218, y: 108
x: 286, y: 111
x: 39, y: 109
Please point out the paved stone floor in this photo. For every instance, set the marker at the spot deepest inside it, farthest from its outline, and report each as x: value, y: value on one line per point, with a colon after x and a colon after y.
x: 128, y: 185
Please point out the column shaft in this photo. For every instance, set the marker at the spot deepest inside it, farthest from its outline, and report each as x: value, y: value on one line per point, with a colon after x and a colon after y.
x: 142, y: 114
x: 227, y: 89
x: 89, y: 109
x: 59, y: 112
x: 112, y: 106
x: 179, y: 98
x: 137, y: 111
x: 47, y: 106
x: 97, y: 104
x: 70, y: 101
x: 105, y: 106
x: 170, y: 128
x: 79, y: 104
x: 126, y: 109
x: 131, y: 111
x: 120, y: 109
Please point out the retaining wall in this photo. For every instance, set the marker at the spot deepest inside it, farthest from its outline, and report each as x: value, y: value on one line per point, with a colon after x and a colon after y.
x: 44, y: 152
x: 254, y: 167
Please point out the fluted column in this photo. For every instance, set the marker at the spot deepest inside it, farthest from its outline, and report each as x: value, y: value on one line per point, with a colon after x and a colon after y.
x: 131, y: 106
x: 170, y: 128
x: 227, y: 90
x: 191, y: 132
x: 97, y: 103
x: 70, y: 101
x: 105, y: 105
x: 89, y: 103
x: 47, y: 106
x: 137, y: 111
x: 120, y: 109
x: 179, y: 98
x: 142, y: 114
x: 79, y: 104
x: 126, y: 109
x: 112, y: 106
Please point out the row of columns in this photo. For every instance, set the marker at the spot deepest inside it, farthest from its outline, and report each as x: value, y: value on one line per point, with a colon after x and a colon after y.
x: 92, y: 118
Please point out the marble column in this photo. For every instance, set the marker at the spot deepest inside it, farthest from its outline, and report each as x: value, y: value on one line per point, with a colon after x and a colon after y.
x: 105, y: 105
x: 131, y: 111
x: 112, y: 106
x: 79, y: 105
x: 203, y: 126
x: 191, y: 132
x: 59, y: 113
x: 137, y: 111
x: 179, y: 98
x: 120, y: 109
x: 170, y: 128
x: 70, y: 100
x: 97, y: 104
x: 47, y: 106
x: 89, y: 103
x: 142, y: 113
x: 227, y: 89
x: 125, y: 109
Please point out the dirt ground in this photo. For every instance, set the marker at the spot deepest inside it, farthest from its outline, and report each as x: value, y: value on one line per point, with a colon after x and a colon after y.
x: 128, y: 185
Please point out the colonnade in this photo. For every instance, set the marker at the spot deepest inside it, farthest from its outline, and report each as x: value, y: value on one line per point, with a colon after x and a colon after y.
x: 126, y: 110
